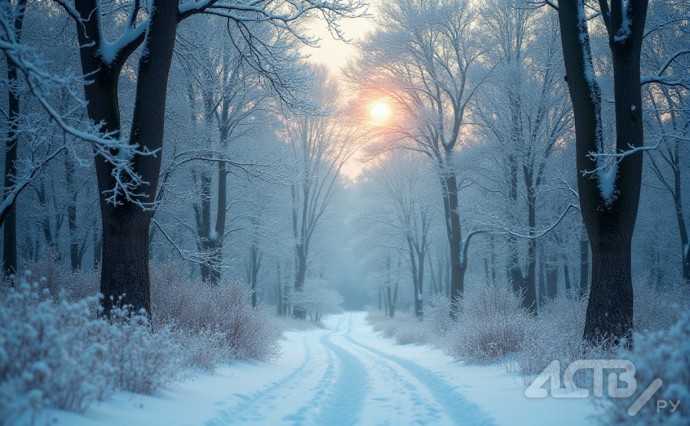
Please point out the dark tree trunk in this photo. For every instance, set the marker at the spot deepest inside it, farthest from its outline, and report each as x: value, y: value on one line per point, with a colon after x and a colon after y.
x: 254, y: 266
x: 74, y: 245
x: 609, y: 221
x: 300, y: 275
x: 682, y: 230
x: 551, y: 280
x: 124, y: 271
x: 542, y: 278
x: 97, y: 245
x: 584, y: 263
x: 9, y: 223
x: 458, y: 264
x: 530, y: 285
x: 566, y: 278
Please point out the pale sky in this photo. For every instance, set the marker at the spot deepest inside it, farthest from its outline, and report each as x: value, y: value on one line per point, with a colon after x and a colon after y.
x: 335, y: 53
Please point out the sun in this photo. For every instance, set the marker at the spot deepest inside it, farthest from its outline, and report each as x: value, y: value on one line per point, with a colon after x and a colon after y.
x: 380, y: 112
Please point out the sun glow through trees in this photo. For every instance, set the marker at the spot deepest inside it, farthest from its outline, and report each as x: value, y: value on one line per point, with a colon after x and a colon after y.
x: 380, y: 112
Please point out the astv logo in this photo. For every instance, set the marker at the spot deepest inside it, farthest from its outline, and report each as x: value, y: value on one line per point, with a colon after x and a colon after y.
x: 621, y: 383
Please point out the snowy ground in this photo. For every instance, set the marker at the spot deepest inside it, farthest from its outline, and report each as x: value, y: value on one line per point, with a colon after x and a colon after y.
x: 343, y: 375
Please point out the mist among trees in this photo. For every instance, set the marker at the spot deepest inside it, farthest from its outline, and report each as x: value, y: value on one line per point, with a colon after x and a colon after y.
x: 475, y: 162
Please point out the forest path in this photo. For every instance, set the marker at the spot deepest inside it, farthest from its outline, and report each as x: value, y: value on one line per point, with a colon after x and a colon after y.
x: 345, y: 378
x: 345, y: 374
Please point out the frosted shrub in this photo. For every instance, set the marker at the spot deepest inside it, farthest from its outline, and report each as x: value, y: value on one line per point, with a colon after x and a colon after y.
x: 491, y: 323
x: 664, y: 355
x: 658, y: 308
x: 72, y: 285
x: 202, y: 349
x: 437, y: 317
x: 404, y: 329
x: 143, y: 361
x: 220, y: 315
x: 48, y: 357
x: 556, y: 334
x: 59, y: 354
x: 411, y: 332
x: 317, y: 299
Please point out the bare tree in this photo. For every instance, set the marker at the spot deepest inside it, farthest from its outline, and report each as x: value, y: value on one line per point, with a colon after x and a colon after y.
x: 526, y: 112
x: 666, y: 48
x: 320, y: 145
x: 15, y: 13
x: 408, y: 213
x: 127, y: 205
x: 428, y: 60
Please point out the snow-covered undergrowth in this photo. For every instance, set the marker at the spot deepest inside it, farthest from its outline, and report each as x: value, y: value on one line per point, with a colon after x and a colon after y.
x: 56, y: 351
x: 491, y: 324
x: 216, y: 323
x: 665, y: 355
x: 492, y: 327
x: 556, y: 333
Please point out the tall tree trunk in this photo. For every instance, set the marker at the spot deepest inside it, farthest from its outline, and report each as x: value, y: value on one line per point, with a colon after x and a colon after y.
x: 74, y: 246
x: 551, y: 279
x: 609, y: 218
x: 566, y: 278
x: 542, y: 277
x: 530, y: 284
x: 254, y: 266
x: 458, y: 264
x: 9, y: 251
x: 97, y: 245
x: 300, y: 275
x: 682, y: 229
x: 125, y: 265
x: 584, y: 263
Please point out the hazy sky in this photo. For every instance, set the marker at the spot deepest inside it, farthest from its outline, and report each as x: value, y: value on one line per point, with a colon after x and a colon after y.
x: 335, y: 53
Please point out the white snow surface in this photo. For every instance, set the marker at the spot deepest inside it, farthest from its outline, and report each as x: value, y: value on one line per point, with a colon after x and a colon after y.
x: 343, y: 375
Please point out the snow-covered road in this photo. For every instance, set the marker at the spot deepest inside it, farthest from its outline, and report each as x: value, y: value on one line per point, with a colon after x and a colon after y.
x: 343, y: 375
x: 344, y: 381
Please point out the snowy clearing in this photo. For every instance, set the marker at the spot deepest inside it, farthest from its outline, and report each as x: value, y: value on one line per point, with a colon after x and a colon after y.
x: 345, y: 374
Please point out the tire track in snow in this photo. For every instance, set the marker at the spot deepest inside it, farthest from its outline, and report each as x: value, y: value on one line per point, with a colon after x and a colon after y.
x: 420, y: 411
x: 455, y: 404
x: 340, y: 395
x: 253, y: 406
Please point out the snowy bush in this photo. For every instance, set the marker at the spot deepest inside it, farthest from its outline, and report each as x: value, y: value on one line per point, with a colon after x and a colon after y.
x: 203, y: 349
x: 661, y: 355
x: 556, y: 334
x: 222, y: 315
x: 55, y: 353
x: 437, y: 316
x: 60, y: 281
x: 48, y: 356
x: 317, y: 299
x: 412, y: 332
x: 658, y: 308
x: 143, y: 360
x: 405, y: 329
x: 491, y: 323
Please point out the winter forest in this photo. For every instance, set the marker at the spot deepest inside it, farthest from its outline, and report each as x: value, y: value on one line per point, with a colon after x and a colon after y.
x: 338, y: 212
